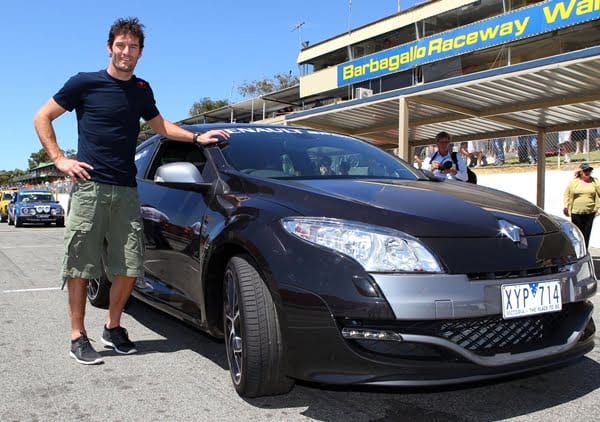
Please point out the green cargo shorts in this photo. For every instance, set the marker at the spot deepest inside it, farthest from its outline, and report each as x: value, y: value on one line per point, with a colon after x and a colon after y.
x: 99, y: 215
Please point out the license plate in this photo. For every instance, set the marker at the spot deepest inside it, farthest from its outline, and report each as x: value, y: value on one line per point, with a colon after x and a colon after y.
x: 520, y: 300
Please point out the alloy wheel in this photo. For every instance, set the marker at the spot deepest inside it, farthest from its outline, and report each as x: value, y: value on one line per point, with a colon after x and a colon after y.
x: 233, y: 327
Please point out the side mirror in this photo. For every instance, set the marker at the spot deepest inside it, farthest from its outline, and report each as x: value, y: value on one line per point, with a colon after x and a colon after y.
x: 181, y: 175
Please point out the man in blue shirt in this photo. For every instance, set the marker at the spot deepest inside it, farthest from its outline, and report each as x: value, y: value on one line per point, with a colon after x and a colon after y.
x: 103, y: 204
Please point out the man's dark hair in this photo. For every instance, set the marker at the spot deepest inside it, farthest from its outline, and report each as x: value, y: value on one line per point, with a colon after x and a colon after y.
x: 442, y: 135
x: 124, y: 26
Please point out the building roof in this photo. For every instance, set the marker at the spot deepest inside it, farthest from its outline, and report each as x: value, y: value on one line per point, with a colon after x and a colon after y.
x: 551, y: 94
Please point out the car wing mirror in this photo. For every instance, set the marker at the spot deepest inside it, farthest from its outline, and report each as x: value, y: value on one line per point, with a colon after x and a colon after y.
x: 181, y: 175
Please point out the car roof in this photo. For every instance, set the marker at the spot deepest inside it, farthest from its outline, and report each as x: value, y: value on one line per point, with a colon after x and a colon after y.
x: 204, y: 127
x: 33, y: 191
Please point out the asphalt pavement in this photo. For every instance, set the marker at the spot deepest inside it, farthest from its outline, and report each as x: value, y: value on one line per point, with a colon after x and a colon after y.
x: 181, y: 374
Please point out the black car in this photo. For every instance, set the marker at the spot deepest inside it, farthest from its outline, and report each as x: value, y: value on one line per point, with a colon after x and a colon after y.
x: 369, y: 273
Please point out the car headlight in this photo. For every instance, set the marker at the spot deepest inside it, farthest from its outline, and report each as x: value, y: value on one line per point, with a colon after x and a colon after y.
x: 575, y: 236
x: 28, y: 211
x: 377, y: 249
x: 57, y: 211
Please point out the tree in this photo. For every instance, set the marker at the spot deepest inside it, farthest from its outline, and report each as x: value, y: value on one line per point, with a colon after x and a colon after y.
x: 255, y: 88
x: 266, y: 86
x: 206, y: 104
x: 37, y: 158
x: 144, y: 126
x: 286, y: 80
x: 7, y: 176
x: 41, y: 157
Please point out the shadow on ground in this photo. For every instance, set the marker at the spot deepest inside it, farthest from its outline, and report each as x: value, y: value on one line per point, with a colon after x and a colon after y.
x: 484, y: 401
x: 177, y: 335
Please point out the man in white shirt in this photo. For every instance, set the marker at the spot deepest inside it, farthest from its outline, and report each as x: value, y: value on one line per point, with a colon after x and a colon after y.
x: 443, y: 163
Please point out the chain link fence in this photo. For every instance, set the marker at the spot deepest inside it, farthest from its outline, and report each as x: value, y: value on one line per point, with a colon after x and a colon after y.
x: 559, y: 147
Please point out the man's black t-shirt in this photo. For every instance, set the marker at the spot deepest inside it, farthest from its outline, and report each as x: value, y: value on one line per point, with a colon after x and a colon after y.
x: 108, y: 122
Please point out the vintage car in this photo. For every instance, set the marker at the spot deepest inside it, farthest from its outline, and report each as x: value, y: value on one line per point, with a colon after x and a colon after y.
x: 34, y: 206
x: 370, y: 273
x: 5, y: 197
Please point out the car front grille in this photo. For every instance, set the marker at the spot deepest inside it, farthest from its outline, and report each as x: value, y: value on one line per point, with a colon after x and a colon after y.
x: 485, y: 336
x: 490, y: 336
x: 500, y: 275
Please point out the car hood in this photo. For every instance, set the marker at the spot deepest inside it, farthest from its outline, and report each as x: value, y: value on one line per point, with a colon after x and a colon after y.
x: 421, y: 208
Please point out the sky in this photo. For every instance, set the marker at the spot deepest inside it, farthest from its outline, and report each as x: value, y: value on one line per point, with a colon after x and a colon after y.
x: 193, y: 49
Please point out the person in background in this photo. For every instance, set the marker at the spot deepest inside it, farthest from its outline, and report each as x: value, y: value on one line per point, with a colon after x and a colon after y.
x: 325, y: 166
x: 527, y: 149
x: 498, y: 144
x: 418, y: 156
x: 580, y: 139
x: 582, y: 200
x: 104, y: 201
x: 532, y: 145
x: 441, y: 162
x: 564, y: 145
x: 475, y: 150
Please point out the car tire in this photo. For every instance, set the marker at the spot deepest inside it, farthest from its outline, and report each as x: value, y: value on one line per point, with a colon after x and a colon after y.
x: 18, y: 222
x: 60, y: 222
x: 98, y: 289
x: 252, y: 333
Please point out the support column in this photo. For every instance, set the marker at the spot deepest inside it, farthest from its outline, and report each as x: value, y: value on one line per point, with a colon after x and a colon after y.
x: 403, y: 146
x: 541, y: 168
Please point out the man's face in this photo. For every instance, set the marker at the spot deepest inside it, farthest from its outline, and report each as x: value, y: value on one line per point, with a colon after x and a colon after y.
x: 125, y: 52
x: 443, y: 145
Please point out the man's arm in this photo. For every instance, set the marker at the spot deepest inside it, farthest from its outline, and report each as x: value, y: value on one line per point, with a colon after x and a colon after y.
x: 42, y: 122
x: 172, y: 131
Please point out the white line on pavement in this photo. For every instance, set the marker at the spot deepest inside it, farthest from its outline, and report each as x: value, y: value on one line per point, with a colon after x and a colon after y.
x: 31, y: 290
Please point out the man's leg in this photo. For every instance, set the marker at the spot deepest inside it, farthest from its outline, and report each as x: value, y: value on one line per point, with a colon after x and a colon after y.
x: 114, y: 335
x: 125, y: 255
x: 77, y: 288
x: 81, y: 349
x: 119, y: 294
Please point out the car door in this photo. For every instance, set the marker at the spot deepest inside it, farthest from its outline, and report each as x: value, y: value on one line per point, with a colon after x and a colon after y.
x: 173, y: 220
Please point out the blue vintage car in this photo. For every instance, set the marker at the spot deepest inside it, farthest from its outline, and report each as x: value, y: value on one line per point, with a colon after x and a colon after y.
x: 35, y: 206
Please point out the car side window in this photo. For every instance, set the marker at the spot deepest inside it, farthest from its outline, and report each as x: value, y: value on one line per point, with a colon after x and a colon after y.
x: 142, y: 157
x: 174, y: 151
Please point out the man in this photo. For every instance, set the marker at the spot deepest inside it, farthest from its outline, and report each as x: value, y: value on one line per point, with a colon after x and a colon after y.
x: 442, y: 163
x: 498, y: 144
x: 104, y: 203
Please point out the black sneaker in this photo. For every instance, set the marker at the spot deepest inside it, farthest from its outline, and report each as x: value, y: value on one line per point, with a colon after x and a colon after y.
x: 83, y: 352
x: 118, y: 339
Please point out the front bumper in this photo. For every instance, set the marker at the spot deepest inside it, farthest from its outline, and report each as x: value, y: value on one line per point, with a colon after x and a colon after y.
x: 451, y: 330
x: 40, y: 218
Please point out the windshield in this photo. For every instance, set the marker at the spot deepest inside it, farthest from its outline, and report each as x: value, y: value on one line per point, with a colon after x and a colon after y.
x: 284, y: 153
x: 7, y: 196
x: 36, y: 197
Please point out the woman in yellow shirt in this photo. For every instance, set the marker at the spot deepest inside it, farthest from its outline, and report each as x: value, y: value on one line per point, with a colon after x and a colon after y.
x: 582, y: 200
